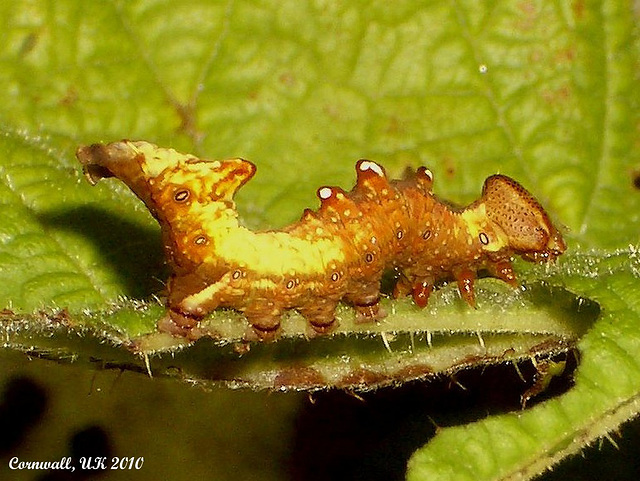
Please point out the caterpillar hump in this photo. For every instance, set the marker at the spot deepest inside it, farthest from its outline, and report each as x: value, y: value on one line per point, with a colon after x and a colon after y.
x: 338, y: 252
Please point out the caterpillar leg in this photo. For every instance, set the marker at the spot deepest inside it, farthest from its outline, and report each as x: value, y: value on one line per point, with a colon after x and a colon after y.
x: 183, y: 318
x: 320, y: 315
x: 178, y: 323
x: 402, y: 288
x: 503, y: 270
x: 179, y: 320
x: 420, y: 289
x: 421, y: 292
x: 369, y: 312
x: 190, y: 299
x: 465, y: 279
x: 367, y: 303
x: 264, y: 320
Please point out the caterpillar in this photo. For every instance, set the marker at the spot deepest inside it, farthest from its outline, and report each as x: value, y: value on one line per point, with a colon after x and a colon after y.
x: 338, y: 252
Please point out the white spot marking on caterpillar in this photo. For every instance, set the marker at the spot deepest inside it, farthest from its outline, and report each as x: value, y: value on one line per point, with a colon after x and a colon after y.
x: 325, y: 193
x: 369, y: 165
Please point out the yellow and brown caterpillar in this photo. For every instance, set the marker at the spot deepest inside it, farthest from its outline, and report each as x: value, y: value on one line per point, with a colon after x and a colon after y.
x: 337, y: 253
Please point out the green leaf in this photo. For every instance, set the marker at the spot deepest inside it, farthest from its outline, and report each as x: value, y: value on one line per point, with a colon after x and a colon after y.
x: 541, y: 92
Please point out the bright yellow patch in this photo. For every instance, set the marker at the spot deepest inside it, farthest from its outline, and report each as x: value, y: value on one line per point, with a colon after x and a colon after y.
x: 276, y: 253
x: 268, y: 253
x: 476, y: 222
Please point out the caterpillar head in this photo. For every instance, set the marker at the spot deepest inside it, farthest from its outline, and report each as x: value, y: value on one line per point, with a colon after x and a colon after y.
x: 528, y: 228
x: 163, y: 178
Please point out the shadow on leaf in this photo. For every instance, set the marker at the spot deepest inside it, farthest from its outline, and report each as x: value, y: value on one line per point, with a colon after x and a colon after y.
x: 131, y: 251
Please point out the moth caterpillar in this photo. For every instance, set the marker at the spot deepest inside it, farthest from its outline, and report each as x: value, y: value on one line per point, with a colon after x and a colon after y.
x: 338, y: 252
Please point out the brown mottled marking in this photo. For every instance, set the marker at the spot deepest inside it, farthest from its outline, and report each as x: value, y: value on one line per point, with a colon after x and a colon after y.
x: 299, y: 377
x: 522, y: 218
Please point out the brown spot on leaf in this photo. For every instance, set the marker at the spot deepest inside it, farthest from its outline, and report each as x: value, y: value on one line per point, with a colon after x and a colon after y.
x: 394, y: 126
x: 301, y: 377
x: 362, y: 377
x: 28, y: 44
x: 449, y: 166
x: 70, y: 97
x: 473, y: 360
x: 414, y: 371
x: 535, y: 57
x: 578, y: 9
x: 332, y: 111
x: 566, y: 55
x: 557, y: 96
x: 287, y: 79
x: 530, y: 15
